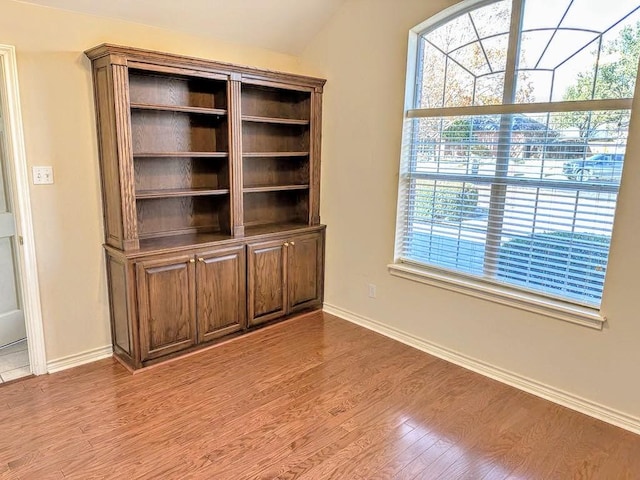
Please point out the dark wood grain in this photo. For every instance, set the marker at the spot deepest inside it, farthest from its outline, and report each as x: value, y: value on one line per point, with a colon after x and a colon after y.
x: 172, y: 90
x: 220, y: 292
x: 279, y: 207
x: 314, y: 161
x: 274, y: 171
x: 165, y: 131
x: 323, y: 399
x: 282, y: 103
x: 175, y: 172
x: 183, y: 214
x: 166, y: 299
x: 304, y: 272
x: 268, y: 137
x: 267, y: 276
x: 237, y: 172
x: 120, y: 325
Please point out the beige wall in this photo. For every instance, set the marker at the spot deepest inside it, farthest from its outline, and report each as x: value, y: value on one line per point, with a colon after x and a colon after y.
x: 59, y: 126
x: 362, y: 52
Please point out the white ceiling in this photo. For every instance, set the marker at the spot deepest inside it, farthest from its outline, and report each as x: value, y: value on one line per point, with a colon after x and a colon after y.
x: 281, y: 25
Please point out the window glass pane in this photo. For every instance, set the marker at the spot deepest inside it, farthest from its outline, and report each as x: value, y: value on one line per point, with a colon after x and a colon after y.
x: 463, y: 60
x: 594, y: 14
x: 493, y: 19
x: 592, y: 54
x: 431, y: 91
x: 544, y: 13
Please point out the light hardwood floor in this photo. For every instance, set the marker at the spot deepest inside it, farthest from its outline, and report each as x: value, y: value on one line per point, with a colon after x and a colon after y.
x: 312, y: 398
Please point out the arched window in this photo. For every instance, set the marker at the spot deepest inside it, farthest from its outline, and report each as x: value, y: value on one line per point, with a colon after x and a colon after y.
x: 514, y: 141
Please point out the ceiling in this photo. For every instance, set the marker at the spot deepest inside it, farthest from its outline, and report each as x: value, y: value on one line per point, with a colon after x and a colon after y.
x: 282, y: 25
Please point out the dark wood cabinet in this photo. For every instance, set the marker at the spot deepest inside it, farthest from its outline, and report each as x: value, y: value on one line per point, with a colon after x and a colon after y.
x: 305, y: 267
x: 220, y: 292
x: 267, y: 281
x: 211, y: 194
x: 166, y: 296
x: 285, y: 276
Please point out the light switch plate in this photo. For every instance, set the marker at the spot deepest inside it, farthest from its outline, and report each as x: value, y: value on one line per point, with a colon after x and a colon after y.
x: 42, y: 175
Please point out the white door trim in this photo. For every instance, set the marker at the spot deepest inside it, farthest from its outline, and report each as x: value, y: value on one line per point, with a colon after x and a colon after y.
x: 18, y: 180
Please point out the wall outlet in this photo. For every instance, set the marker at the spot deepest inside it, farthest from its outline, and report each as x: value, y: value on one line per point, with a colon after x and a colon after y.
x: 42, y: 175
x: 372, y: 290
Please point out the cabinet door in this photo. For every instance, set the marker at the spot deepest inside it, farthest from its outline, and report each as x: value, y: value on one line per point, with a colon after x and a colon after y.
x: 220, y: 292
x: 166, y: 301
x: 305, y: 257
x: 267, y: 277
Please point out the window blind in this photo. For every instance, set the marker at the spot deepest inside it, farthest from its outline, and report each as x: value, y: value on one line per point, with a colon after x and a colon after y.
x: 513, y: 198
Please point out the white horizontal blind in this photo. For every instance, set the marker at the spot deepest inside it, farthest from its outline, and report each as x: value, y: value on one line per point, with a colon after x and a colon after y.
x: 552, y: 206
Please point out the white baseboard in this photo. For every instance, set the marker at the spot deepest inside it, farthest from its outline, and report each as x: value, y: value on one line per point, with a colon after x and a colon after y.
x: 520, y: 382
x: 79, y: 359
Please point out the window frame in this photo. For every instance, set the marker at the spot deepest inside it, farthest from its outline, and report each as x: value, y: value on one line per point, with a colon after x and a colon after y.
x: 486, y: 289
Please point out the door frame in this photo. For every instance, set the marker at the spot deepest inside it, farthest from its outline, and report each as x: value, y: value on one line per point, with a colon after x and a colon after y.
x: 18, y: 183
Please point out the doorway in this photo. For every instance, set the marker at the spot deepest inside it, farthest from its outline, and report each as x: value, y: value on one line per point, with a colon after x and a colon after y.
x: 21, y: 333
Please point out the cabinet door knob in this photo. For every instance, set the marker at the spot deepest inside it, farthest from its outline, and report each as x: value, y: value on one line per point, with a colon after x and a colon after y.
x: 201, y: 259
x: 286, y: 244
x: 192, y: 261
x: 292, y: 243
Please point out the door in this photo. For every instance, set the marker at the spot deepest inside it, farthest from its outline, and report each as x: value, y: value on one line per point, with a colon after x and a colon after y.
x: 304, y: 272
x: 166, y: 304
x: 267, y: 278
x: 12, y: 326
x: 220, y: 292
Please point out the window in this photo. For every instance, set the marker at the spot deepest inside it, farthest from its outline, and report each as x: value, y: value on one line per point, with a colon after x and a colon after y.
x: 514, y: 140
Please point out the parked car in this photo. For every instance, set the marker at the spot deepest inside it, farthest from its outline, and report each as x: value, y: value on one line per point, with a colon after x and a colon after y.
x: 602, y: 166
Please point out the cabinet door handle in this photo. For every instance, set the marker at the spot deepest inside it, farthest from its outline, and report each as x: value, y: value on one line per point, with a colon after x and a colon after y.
x: 201, y: 259
x: 292, y: 244
x: 286, y: 244
x: 192, y: 261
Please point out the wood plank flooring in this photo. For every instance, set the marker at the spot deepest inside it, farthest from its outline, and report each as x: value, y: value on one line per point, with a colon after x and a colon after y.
x: 311, y: 398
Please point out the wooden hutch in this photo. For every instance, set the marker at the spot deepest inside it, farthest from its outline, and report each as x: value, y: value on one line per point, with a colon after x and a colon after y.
x: 211, y: 189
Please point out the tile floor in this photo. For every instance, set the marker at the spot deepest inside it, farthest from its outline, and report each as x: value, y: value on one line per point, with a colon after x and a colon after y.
x: 14, y: 361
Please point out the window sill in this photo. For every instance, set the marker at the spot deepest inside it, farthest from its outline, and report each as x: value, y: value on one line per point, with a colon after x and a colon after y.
x: 585, y: 316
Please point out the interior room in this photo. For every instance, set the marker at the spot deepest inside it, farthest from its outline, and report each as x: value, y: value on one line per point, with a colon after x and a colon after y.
x: 347, y: 239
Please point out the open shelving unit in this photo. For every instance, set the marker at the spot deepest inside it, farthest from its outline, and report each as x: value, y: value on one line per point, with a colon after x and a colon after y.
x: 276, y: 140
x: 210, y: 181
x: 180, y: 140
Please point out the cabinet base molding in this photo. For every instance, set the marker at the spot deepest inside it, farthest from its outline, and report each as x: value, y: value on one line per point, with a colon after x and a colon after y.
x: 222, y: 341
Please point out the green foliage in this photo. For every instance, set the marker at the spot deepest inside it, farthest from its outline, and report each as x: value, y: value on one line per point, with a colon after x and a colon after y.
x: 616, y: 77
x: 447, y: 201
x: 458, y: 131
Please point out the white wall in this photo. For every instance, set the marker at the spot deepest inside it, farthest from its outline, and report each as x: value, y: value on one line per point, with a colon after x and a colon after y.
x: 59, y: 126
x: 362, y: 53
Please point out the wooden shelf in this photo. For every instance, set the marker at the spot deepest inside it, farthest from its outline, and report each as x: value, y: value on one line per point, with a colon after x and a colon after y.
x: 180, y: 109
x: 275, y: 154
x: 181, y: 154
x: 274, y: 120
x: 179, y: 192
x: 274, y: 188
